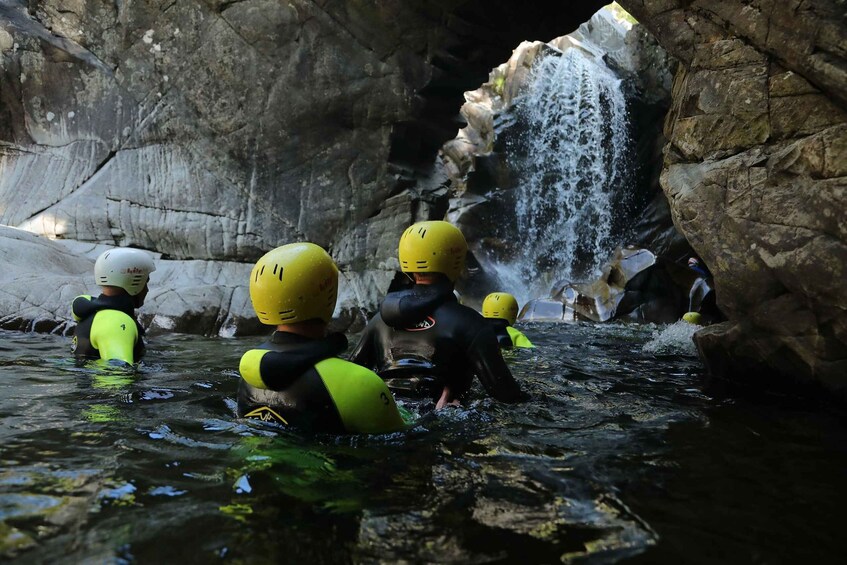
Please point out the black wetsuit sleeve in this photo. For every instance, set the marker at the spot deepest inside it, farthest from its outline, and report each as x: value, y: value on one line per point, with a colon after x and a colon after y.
x: 363, y: 353
x: 279, y: 369
x: 491, y: 369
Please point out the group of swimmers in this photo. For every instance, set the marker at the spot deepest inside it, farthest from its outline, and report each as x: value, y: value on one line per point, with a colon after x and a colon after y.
x: 421, y: 343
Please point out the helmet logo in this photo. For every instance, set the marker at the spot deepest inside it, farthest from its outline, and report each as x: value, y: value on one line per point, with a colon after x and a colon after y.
x: 133, y: 271
x: 324, y: 284
x: 425, y: 324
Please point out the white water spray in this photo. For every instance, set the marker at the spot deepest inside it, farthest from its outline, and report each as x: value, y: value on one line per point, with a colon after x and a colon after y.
x: 573, y: 178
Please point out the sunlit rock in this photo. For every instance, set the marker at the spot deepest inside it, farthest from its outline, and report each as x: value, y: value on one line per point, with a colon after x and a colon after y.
x: 44, y: 276
x: 218, y: 130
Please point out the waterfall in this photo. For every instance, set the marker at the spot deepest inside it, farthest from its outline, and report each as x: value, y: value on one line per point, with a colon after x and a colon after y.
x: 571, y: 168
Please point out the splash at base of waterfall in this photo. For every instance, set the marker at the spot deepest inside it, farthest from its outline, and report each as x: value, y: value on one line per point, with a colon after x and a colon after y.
x: 572, y: 159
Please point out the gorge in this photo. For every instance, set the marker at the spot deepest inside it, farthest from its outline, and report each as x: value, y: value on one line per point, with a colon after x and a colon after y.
x: 184, y: 128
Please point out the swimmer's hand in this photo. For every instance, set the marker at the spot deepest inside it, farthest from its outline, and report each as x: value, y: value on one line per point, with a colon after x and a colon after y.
x: 447, y: 399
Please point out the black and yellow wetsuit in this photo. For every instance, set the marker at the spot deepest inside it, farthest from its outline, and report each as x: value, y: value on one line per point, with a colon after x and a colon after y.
x: 107, y: 328
x: 298, y: 381
x: 422, y: 340
x: 507, y: 336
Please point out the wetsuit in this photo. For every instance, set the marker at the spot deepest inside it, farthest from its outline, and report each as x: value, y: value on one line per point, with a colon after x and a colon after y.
x: 422, y: 340
x: 107, y: 328
x: 507, y: 336
x: 299, y: 381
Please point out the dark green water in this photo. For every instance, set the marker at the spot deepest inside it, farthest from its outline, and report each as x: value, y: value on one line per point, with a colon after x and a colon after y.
x: 621, y: 455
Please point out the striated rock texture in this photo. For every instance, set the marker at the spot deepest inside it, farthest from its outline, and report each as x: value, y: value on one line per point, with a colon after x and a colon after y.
x: 44, y: 276
x: 218, y: 129
x: 756, y: 174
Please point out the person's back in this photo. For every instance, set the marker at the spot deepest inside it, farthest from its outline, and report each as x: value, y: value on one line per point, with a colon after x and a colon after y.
x: 106, y: 326
x: 106, y: 329
x: 296, y: 378
x: 500, y: 310
x: 423, y: 342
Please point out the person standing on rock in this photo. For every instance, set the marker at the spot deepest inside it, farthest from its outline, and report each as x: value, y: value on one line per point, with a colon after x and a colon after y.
x: 106, y: 326
x: 501, y: 311
x: 423, y: 342
x: 295, y: 378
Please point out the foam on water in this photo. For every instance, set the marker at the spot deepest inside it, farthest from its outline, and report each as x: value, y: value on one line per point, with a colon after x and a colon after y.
x: 674, y: 339
x: 573, y: 178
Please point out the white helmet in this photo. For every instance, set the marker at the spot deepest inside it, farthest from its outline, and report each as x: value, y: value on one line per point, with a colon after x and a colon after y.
x: 125, y: 268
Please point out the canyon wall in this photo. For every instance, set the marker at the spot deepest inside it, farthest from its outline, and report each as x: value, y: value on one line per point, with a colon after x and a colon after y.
x: 756, y: 175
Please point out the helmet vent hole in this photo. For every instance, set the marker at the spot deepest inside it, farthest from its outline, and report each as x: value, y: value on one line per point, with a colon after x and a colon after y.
x: 280, y: 274
x: 275, y: 268
x: 262, y: 272
x: 423, y: 234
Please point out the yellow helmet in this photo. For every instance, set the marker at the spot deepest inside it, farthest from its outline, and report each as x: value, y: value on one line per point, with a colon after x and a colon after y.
x: 693, y: 318
x: 433, y: 247
x: 294, y: 283
x: 500, y: 305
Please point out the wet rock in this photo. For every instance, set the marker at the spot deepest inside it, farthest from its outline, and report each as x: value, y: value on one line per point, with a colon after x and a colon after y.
x: 754, y: 172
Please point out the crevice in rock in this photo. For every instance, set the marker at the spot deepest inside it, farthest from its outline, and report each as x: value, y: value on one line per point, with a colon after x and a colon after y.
x: 164, y: 209
x: 33, y: 26
x: 226, y: 5
x: 247, y: 43
x: 99, y: 167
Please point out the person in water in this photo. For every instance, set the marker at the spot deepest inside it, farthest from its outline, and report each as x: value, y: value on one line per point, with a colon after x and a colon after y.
x: 295, y: 378
x: 422, y: 341
x: 694, y: 265
x: 501, y: 311
x: 106, y: 326
x: 702, y: 302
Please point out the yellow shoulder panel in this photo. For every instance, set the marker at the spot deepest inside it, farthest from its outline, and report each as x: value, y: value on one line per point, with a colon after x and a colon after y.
x: 250, y: 367
x: 362, y: 399
x: 518, y: 338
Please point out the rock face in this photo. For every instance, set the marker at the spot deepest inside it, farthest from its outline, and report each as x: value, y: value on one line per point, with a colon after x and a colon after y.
x: 43, y: 277
x: 218, y: 129
x: 755, y: 173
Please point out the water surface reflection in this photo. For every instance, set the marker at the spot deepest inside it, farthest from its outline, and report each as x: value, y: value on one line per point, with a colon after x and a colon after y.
x: 619, y: 455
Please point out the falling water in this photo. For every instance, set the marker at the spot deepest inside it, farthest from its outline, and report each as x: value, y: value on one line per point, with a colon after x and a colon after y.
x: 572, y: 171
